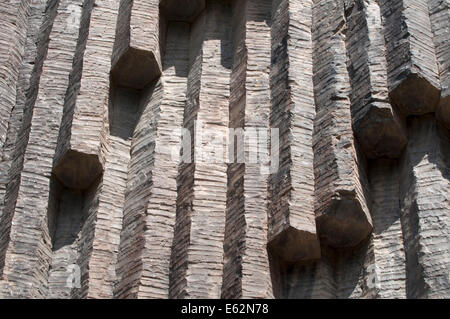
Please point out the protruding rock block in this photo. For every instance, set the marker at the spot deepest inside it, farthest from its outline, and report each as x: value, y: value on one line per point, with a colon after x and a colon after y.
x: 440, y: 23
x: 415, y: 95
x: 376, y: 124
x: 413, y: 77
x: 292, y: 228
x: 294, y: 244
x: 425, y: 208
x: 345, y: 222
x: 136, y: 58
x: 13, y: 31
x: 342, y: 214
x: 184, y: 10
x: 77, y: 170
x: 136, y: 69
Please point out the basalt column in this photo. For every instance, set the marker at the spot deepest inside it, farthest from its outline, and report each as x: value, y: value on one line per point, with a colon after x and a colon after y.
x: 29, y: 252
x: 342, y: 213
x: 150, y: 198
x: 413, y: 76
x: 440, y: 24
x: 377, y: 126
x: 292, y: 228
x: 41, y: 21
x: 15, y: 17
x: 425, y: 208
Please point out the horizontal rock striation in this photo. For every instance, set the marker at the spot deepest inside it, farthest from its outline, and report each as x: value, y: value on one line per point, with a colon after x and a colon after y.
x: 292, y: 227
x: 341, y: 203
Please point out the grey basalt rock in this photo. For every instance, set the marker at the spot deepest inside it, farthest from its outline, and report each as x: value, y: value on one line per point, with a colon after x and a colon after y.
x: 136, y: 60
x: 413, y: 76
x: 341, y: 198
x: 291, y: 224
x: 246, y: 271
x: 377, y: 125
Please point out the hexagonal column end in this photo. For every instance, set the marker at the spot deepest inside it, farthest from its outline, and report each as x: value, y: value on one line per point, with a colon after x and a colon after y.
x: 78, y: 170
x: 294, y: 245
x: 345, y: 223
x: 187, y: 11
x: 135, y: 69
x: 415, y: 95
x: 380, y: 133
x: 443, y: 112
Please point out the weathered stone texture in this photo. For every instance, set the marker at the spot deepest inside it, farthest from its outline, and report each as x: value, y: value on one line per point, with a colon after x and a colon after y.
x: 376, y: 124
x: 413, y: 77
x: 425, y: 208
x: 202, y: 209
x: 117, y: 175
x: 341, y: 203
x: 13, y: 33
x: 12, y: 152
x: 292, y: 231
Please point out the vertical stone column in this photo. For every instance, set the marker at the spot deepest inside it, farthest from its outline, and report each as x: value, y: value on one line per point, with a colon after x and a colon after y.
x: 30, y: 248
x: 440, y: 24
x: 342, y: 213
x: 80, y: 155
x: 292, y: 228
x: 134, y: 99
x: 388, y: 273
x: 197, y: 257
x: 150, y: 202
x: 425, y: 209
x: 136, y: 59
x: 12, y: 157
x: 413, y: 77
x: 376, y: 124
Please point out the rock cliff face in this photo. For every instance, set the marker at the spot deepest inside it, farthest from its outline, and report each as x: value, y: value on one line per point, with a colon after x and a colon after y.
x: 224, y: 149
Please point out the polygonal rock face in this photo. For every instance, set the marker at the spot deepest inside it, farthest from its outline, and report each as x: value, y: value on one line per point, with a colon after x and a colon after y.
x: 415, y: 96
x: 379, y: 133
x: 186, y: 10
x: 135, y: 69
x: 77, y: 170
x: 344, y: 224
x: 443, y: 113
x: 294, y: 245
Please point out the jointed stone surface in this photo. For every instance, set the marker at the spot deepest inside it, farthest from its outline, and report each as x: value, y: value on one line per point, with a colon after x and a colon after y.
x: 440, y: 24
x: 246, y: 264
x: 413, y: 76
x: 292, y: 229
x: 117, y: 176
x: 376, y: 124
